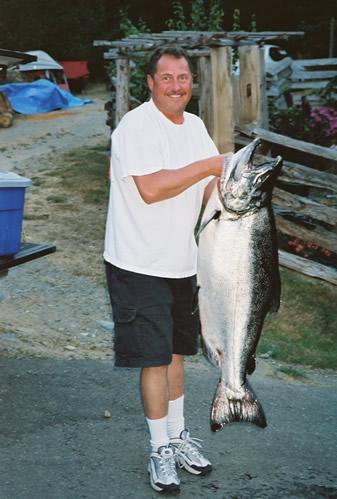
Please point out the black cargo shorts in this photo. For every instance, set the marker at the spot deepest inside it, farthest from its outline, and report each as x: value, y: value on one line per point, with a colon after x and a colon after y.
x: 153, y: 317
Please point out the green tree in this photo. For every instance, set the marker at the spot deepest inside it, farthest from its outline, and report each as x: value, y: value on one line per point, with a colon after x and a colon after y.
x: 201, y: 17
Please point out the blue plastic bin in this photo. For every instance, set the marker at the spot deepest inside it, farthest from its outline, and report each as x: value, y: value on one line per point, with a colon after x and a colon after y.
x: 12, y: 199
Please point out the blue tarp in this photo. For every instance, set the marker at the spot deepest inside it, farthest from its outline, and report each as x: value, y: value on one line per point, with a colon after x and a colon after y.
x: 39, y: 96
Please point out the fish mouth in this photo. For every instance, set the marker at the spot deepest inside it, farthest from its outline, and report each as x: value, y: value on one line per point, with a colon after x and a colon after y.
x: 249, y: 153
x: 252, y: 150
x: 263, y: 170
x: 247, y: 185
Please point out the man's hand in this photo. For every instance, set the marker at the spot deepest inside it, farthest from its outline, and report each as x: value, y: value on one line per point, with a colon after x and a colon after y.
x: 215, y: 181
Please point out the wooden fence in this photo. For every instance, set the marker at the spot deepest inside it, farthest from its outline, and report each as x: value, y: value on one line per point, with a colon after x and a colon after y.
x: 300, y: 77
x: 309, y: 218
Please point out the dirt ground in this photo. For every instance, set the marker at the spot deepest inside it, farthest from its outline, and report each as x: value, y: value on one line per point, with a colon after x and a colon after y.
x: 56, y: 306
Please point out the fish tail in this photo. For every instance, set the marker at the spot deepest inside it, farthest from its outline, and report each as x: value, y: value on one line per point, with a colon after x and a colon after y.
x: 230, y: 408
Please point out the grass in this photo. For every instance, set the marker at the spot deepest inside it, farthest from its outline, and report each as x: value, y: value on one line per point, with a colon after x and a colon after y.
x: 84, y: 171
x: 292, y: 371
x: 304, y: 330
x: 302, y: 333
x: 57, y: 198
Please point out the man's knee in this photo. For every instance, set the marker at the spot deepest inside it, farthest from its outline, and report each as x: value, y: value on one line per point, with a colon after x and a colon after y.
x: 157, y: 371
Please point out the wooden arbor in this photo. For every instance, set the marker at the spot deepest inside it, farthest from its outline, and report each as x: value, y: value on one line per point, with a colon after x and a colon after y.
x: 226, y: 97
x: 236, y: 100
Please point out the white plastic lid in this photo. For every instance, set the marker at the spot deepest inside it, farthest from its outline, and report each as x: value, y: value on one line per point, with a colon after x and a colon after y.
x: 11, y: 179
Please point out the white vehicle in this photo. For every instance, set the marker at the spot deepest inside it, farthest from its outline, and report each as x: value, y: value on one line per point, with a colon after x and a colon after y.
x: 44, y: 67
x: 276, y: 59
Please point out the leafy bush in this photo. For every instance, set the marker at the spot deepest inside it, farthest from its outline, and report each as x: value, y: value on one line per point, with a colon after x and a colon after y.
x: 312, y: 124
x: 138, y: 87
x: 293, y: 122
x: 329, y: 92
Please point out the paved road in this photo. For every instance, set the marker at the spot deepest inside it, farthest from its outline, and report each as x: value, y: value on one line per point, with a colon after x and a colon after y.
x: 56, y: 443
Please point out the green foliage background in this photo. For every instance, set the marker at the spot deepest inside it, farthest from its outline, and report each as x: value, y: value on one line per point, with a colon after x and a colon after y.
x: 67, y: 29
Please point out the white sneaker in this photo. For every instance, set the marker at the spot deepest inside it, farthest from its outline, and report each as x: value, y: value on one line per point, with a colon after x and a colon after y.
x: 162, y: 469
x: 188, y: 455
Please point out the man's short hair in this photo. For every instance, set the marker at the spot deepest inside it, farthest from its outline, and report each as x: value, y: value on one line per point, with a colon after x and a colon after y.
x: 172, y: 51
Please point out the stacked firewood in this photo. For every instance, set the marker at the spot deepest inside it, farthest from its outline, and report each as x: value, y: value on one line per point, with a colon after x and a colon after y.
x: 6, y: 111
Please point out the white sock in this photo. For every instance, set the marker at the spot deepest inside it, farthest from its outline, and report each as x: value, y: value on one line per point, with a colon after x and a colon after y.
x: 175, y: 417
x: 158, y: 432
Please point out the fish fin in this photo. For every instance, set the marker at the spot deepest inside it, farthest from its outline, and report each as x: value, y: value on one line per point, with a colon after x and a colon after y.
x: 251, y: 363
x: 211, y: 354
x: 229, y: 407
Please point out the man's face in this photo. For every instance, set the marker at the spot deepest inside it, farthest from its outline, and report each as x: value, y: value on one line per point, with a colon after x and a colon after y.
x: 171, y: 86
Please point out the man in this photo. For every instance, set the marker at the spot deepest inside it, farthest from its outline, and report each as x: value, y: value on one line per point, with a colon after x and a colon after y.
x: 162, y: 159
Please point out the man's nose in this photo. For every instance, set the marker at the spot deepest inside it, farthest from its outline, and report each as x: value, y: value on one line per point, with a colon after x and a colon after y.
x: 176, y: 84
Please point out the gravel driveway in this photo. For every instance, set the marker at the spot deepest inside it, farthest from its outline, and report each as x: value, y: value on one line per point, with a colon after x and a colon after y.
x: 47, y: 311
x: 25, y: 146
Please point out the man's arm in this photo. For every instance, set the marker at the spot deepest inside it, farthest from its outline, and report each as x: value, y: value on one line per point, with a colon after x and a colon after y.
x: 166, y: 184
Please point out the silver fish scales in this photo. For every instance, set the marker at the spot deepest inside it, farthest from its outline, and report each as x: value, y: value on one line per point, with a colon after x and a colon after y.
x: 238, y: 280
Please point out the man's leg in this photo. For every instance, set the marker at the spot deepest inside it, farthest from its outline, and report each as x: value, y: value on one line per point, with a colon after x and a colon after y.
x: 155, y: 392
x: 188, y: 453
x: 175, y: 418
x: 175, y: 377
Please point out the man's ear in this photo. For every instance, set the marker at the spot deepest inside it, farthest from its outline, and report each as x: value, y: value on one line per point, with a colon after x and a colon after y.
x: 149, y: 80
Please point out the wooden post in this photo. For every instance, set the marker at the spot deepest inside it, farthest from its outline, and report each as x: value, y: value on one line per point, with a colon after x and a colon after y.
x: 236, y: 99
x: 205, y: 98
x: 122, y: 89
x: 252, y: 86
x: 223, y: 121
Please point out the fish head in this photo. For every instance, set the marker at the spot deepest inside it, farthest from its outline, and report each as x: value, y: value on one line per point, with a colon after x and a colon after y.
x: 245, y: 186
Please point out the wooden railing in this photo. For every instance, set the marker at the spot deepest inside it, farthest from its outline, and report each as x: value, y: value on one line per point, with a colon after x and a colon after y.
x: 306, y: 217
x: 301, y: 77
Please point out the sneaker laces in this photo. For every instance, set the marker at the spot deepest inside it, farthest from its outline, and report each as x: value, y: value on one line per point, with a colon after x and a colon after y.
x: 167, y: 463
x: 189, y: 444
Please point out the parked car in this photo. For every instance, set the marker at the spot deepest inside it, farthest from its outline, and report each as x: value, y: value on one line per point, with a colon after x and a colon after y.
x: 275, y: 58
x: 44, y: 67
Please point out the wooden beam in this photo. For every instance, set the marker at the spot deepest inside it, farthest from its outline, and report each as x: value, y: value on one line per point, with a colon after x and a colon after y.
x: 122, y: 89
x: 324, y: 238
x: 205, y: 98
x: 292, y: 204
x: 307, y: 63
x: 252, y: 87
x: 308, y: 267
x: 295, y: 174
x: 223, y: 109
x: 284, y: 140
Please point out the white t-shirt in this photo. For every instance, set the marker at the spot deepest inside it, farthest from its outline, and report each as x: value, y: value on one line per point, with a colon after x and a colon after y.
x: 154, y: 239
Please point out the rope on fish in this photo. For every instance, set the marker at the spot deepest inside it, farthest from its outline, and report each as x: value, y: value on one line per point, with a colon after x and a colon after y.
x: 215, y: 216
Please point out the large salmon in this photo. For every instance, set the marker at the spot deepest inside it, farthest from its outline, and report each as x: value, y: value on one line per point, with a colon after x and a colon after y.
x: 239, y: 280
